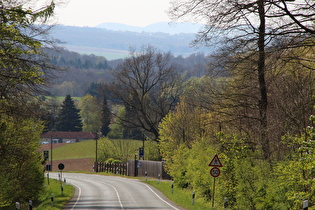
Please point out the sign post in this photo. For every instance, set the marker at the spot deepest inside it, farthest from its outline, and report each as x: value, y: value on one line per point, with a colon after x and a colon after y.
x: 214, y: 172
x: 305, y: 205
x: 61, y: 166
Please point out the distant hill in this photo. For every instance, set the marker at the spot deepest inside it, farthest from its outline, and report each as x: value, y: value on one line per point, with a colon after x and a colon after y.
x: 116, y: 42
x: 160, y: 27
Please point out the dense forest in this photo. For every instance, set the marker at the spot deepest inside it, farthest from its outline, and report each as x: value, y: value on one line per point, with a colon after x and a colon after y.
x: 80, y: 71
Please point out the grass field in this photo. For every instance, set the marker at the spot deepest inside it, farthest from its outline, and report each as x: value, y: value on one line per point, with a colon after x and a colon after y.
x: 84, y: 149
x: 109, y: 54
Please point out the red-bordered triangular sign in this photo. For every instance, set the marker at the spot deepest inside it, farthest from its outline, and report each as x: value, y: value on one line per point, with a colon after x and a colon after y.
x: 215, y: 162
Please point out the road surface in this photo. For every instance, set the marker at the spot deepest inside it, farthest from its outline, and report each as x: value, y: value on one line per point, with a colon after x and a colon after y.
x: 110, y: 192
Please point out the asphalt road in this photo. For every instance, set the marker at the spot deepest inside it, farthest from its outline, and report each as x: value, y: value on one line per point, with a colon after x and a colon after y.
x: 110, y: 192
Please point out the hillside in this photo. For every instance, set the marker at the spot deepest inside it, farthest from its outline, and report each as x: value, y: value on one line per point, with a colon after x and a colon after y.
x: 115, y: 44
x: 84, y: 70
x: 159, y: 27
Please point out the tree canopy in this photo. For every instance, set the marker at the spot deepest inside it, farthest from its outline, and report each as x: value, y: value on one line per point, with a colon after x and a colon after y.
x: 149, y: 87
x: 21, y: 171
x: 23, y: 72
x: 90, y: 112
x: 23, y: 67
x: 253, y: 30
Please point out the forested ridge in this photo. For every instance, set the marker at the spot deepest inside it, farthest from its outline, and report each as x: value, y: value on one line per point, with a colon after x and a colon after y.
x: 81, y: 70
x: 103, y: 39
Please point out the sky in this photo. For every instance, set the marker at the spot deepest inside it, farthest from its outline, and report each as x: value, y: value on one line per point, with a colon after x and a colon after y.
x: 94, y: 12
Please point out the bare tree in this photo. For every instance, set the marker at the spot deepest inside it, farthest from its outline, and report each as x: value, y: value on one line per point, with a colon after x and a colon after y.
x: 257, y: 26
x: 148, y: 86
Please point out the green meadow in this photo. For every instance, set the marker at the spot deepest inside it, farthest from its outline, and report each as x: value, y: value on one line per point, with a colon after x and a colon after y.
x: 109, y: 54
x: 117, y: 149
x: 84, y: 149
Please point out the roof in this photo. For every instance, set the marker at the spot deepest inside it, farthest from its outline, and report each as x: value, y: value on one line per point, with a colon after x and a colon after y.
x: 68, y: 135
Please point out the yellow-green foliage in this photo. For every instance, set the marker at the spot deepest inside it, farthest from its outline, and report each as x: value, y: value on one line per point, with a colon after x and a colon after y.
x: 296, y: 176
x: 20, y: 169
x: 181, y: 129
x: 247, y: 180
x: 90, y: 112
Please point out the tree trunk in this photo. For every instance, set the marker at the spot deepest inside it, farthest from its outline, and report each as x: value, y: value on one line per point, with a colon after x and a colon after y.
x: 263, y: 103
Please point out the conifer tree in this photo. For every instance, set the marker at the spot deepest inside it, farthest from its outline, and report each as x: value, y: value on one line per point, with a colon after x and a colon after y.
x: 69, y: 117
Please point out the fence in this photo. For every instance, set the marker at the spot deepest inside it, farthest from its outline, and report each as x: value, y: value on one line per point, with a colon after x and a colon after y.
x: 116, y: 168
x: 154, y: 169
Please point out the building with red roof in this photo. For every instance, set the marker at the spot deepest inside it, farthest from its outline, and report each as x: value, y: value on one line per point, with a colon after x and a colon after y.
x: 66, y: 136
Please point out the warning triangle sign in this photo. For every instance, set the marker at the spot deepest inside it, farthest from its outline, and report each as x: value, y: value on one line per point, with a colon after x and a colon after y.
x: 215, y: 162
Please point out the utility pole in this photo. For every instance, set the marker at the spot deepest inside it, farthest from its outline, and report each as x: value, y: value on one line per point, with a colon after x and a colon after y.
x: 96, y: 148
x: 51, y: 151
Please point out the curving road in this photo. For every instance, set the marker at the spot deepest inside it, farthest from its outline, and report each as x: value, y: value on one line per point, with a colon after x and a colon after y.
x: 109, y: 192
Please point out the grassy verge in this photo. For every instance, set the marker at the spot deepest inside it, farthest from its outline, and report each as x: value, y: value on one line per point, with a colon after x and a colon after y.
x: 60, y: 199
x: 179, y: 196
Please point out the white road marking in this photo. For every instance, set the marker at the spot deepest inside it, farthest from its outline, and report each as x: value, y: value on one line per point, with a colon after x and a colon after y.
x: 161, y: 198
x: 79, y: 195
x: 121, y: 205
x: 117, y: 194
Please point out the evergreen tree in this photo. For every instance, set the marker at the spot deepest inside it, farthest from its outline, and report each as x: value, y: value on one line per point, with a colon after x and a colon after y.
x: 105, y: 118
x: 69, y: 118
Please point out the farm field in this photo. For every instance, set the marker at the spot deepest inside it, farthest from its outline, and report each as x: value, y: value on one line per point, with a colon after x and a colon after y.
x: 80, y: 156
x: 110, y: 54
x: 84, y: 149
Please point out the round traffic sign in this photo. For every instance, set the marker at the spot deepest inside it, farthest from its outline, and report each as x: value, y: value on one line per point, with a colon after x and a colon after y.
x: 215, y: 172
x: 61, y: 166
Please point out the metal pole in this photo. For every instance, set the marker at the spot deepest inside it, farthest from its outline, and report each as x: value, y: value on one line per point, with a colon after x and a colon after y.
x: 213, y: 192
x: 143, y: 148
x: 96, y: 165
x: 51, y: 155
x: 135, y: 166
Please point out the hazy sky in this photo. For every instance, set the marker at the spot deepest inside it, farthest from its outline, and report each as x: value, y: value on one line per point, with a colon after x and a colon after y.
x: 94, y: 12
